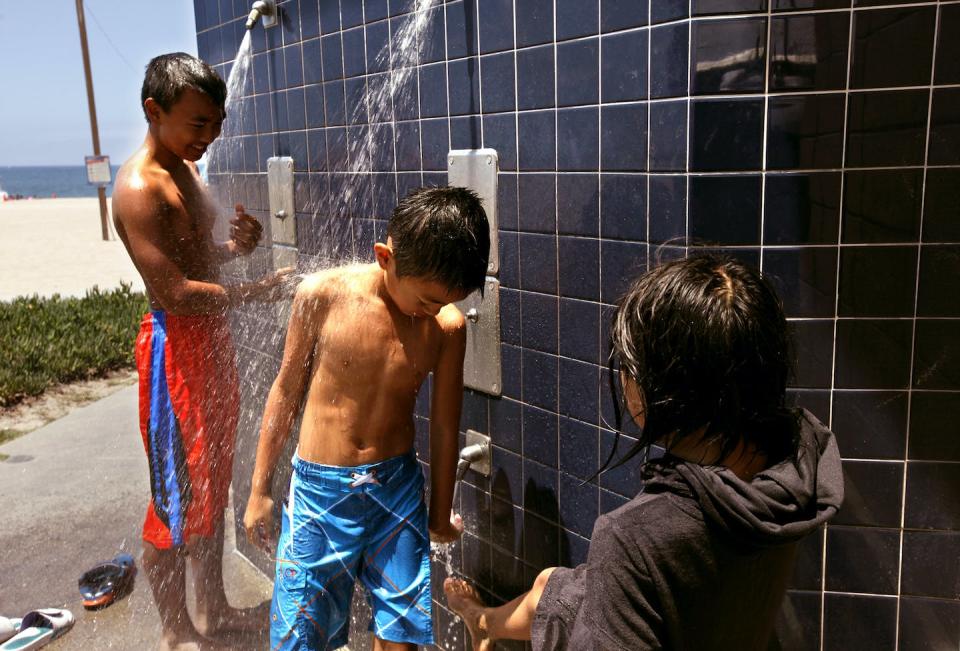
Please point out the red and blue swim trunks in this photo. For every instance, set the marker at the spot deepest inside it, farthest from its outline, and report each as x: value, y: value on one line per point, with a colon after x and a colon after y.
x: 189, y: 401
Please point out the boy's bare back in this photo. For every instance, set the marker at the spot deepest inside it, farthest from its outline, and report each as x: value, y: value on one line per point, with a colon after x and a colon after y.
x: 364, y: 362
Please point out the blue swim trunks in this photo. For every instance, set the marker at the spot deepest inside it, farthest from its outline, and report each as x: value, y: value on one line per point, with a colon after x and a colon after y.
x: 341, y: 524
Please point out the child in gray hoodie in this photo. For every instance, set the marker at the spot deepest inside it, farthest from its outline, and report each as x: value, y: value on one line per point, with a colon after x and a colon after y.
x: 700, y: 559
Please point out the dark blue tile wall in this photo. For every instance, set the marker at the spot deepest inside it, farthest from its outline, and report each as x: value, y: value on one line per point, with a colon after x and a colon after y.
x: 817, y: 138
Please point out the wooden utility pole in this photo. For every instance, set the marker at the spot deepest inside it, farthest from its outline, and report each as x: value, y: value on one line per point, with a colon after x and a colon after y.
x: 91, y: 105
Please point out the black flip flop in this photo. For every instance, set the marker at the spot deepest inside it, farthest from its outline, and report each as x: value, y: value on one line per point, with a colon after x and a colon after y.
x: 107, y: 582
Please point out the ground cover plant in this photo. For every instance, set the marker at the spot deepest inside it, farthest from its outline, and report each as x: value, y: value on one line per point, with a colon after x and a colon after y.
x: 49, y: 341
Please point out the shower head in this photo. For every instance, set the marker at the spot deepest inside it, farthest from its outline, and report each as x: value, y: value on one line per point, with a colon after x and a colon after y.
x: 265, y: 8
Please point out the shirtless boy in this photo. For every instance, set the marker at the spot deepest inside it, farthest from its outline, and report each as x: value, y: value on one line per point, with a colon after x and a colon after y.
x: 361, y: 341
x: 185, y: 357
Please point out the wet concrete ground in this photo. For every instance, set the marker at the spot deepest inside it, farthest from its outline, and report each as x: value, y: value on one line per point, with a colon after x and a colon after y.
x: 72, y: 494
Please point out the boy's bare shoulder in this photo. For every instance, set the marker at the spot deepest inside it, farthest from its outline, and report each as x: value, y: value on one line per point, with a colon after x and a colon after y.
x: 327, y: 284
x: 140, y: 189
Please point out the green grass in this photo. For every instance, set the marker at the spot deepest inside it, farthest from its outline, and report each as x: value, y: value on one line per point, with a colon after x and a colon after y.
x: 50, y: 341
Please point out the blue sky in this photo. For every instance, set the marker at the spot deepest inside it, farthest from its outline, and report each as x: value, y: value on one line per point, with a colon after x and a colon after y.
x: 43, y: 102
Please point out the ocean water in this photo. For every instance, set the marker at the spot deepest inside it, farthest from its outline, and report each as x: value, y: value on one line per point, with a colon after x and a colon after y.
x: 45, y: 182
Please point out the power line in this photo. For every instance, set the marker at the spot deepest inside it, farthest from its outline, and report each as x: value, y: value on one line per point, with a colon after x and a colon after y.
x: 107, y: 36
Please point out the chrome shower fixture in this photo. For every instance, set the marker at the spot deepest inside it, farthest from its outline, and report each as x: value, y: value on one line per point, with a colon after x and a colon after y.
x: 265, y: 8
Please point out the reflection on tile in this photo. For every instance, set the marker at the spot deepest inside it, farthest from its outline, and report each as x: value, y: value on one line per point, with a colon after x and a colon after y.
x: 580, y: 330
x: 862, y: 559
x: 805, y: 278
x: 871, y: 494
x: 848, y: 620
x: 892, y: 47
x: 931, y: 496
x: 620, y: 263
x: 540, y: 426
x: 727, y: 56
x: 668, y: 60
x: 726, y: 134
x: 933, y: 437
x: 937, y: 354
x: 886, y: 128
x: 579, y: 504
x: 945, y: 127
x: 579, y: 391
x: 807, y: 570
x: 725, y: 209
x: 873, y: 354
x: 870, y: 424
x: 809, y: 52
x: 816, y: 401
x: 805, y: 131
x: 927, y: 624
x: 500, y: 133
x: 882, y: 206
x: 877, y: 281
x: 931, y: 565
x: 802, y: 208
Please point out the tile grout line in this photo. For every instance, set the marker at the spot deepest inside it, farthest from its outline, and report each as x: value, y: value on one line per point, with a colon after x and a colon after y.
x: 913, y: 333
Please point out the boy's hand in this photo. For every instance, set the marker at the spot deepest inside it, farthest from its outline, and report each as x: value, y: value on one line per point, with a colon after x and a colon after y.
x: 449, y: 531
x: 245, y: 231
x: 277, y: 285
x: 258, y: 521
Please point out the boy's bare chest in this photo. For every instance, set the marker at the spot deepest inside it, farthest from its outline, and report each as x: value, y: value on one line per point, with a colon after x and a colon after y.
x: 366, y: 344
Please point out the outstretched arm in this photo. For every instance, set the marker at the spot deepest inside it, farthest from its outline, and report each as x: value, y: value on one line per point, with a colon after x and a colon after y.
x: 445, y: 424
x: 140, y: 213
x: 283, y: 404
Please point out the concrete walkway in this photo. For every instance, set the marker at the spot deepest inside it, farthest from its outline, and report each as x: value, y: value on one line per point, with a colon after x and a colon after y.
x: 72, y: 494
x: 55, y: 246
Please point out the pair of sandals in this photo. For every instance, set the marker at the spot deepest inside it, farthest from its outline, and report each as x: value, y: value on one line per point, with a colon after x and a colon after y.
x: 36, y: 629
x: 99, y: 587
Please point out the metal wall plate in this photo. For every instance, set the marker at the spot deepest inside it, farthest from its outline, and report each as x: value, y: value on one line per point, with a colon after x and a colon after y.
x: 481, y: 465
x: 477, y: 169
x: 481, y: 363
x: 280, y: 188
x: 283, y: 256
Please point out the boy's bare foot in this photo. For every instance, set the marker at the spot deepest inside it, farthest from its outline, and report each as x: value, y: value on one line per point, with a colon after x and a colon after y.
x: 464, y: 600
x: 243, y: 620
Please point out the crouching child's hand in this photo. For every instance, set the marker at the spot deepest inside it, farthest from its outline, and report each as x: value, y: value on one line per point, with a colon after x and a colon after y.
x: 258, y: 521
x: 449, y: 531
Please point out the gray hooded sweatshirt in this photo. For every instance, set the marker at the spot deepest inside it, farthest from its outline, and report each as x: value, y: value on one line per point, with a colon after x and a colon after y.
x: 699, y: 560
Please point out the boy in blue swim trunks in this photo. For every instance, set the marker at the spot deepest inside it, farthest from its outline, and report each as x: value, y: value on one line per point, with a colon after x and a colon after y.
x: 360, y: 343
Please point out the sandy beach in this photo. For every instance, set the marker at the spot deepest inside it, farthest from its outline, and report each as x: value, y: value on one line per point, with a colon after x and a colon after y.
x: 51, y: 246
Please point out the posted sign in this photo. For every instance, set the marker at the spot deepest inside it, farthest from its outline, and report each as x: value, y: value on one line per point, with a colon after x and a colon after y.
x: 98, y: 170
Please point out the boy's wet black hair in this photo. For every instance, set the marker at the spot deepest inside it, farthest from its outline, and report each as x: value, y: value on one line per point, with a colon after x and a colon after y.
x: 705, y: 340
x: 168, y: 75
x: 441, y: 234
